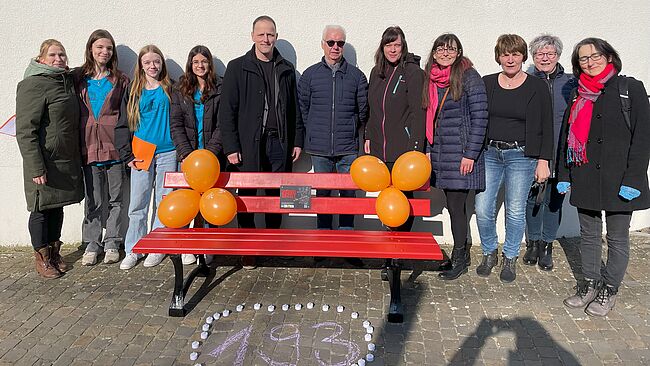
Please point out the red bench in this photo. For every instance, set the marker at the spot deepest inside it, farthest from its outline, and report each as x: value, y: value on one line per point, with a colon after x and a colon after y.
x: 388, y: 245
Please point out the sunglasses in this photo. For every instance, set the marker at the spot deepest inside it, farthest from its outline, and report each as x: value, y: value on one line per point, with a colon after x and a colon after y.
x: 331, y: 43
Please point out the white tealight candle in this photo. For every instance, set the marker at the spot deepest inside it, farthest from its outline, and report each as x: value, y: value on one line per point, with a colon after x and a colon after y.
x: 361, y: 362
x: 310, y: 305
x: 366, y: 324
x: 239, y: 308
x: 270, y: 308
x: 368, y: 337
x: 226, y: 312
x: 298, y: 306
x: 355, y: 315
x: 194, y: 356
x: 206, y: 327
x: 340, y: 308
x: 285, y: 307
x: 326, y: 307
x: 257, y: 306
x: 209, y: 320
x: 371, y: 347
x: 370, y: 329
x: 216, y: 316
x: 370, y: 357
x: 196, y: 344
x: 204, y: 335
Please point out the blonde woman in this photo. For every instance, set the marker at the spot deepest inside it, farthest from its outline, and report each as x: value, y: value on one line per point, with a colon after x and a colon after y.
x: 146, y: 116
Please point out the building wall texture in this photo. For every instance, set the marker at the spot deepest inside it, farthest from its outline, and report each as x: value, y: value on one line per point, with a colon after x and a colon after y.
x: 224, y: 26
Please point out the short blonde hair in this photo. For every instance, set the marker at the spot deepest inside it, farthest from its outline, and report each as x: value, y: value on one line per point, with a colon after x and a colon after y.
x: 45, y: 46
x: 510, y: 43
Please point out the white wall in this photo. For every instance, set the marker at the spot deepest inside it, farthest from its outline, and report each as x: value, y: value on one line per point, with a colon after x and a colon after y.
x: 224, y: 26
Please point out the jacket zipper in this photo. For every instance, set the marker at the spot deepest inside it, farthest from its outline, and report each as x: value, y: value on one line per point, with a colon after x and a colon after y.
x: 383, y: 109
x: 332, y: 121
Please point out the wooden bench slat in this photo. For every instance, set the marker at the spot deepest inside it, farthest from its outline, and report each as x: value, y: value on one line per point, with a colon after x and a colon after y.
x: 269, y: 242
x: 274, y: 180
x: 326, y: 205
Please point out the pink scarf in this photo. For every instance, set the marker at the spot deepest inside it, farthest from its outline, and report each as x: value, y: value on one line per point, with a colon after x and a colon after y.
x: 438, y: 78
x: 589, y: 89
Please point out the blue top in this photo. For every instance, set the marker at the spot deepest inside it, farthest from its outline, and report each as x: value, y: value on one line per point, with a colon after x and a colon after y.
x: 198, y: 113
x: 97, y: 92
x: 154, y: 120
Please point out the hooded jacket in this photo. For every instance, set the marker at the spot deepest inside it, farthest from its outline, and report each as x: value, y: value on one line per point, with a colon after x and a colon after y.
x: 397, y: 119
x: 47, y: 132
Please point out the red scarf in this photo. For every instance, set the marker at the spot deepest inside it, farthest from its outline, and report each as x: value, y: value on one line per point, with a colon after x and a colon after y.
x: 589, y: 89
x: 438, y: 78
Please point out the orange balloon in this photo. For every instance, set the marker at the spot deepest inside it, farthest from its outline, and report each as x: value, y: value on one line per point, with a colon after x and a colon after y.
x: 218, y: 206
x: 370, y: 173
x: 393, y: 208
x: 201, y: 170
x: 411, y: 171
x: 179, y: 208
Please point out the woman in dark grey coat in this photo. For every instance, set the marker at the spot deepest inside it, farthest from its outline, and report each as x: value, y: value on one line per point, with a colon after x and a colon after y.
x: 606, y: 152
x: 47, y: 131
x: 456, y: 103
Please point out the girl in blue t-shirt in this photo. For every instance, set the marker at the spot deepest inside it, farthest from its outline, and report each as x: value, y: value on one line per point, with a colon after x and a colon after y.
x: 101, y: 87
x: 193, y: 121
x: 147, y: 118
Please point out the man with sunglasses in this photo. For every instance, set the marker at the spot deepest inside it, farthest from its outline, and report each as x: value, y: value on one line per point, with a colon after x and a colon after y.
x: 333, y: 97
x: 259, y: 117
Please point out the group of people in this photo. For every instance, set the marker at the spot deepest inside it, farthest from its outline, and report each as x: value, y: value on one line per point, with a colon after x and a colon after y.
x: 535, y: 134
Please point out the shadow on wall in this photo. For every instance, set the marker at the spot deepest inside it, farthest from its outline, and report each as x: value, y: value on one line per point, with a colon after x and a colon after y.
x: 174, y: 69
x: 350, y: 54
x: 532, y: 342
x: 128, y: 58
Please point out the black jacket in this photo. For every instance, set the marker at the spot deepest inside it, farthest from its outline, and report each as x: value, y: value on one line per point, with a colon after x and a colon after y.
x: 396, y: 122
x: 243, y: 100
x: 539, y: 117
x: 617, y: 155
x: 182, y: 123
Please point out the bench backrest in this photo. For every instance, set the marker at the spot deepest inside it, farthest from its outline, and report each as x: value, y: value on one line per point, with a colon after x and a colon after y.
x: 322, y: 205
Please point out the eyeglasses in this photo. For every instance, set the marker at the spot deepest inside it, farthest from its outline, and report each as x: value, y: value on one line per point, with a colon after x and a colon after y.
x: 331, y: 43
x: 594, y: 57
x: 450, y: 50
x: 550, y: 55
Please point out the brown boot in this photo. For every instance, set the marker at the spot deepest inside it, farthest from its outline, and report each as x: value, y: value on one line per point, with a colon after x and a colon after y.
x: 43, y: 264
x: 55, y: 257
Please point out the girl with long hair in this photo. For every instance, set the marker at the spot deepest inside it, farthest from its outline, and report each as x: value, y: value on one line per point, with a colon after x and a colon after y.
x: 101, y: 87
x: 145, y: 115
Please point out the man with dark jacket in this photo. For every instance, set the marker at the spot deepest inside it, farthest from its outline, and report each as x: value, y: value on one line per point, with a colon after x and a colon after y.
x: 260, y: 124
x: 333, y: 97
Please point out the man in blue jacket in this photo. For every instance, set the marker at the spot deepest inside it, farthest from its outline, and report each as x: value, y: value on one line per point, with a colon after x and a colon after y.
x: 333, y: 96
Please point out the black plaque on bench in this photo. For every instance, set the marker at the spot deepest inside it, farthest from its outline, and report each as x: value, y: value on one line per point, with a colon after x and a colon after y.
x: 295, y: 197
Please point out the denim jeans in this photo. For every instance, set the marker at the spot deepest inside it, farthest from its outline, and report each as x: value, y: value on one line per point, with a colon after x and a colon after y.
x: 334, y: 164
x: 100, y: 182
x: 516, y: 171
x: 543, y: 220
x: 143, y: 182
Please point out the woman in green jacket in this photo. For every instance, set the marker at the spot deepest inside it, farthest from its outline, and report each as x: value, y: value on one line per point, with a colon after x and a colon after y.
x: 47, y: 131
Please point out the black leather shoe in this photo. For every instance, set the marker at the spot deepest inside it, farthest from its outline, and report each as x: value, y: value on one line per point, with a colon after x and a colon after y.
x: 489, y: 261
x: 458, y: 265
x: 532, y: 250
x: 545, y: 261
x: 509, y: 269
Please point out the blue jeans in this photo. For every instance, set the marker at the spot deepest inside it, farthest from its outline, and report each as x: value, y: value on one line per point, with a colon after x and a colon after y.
x: 516, y: 171
x: 333, y: 164
x: 542, y: 221
x: 143, y: 182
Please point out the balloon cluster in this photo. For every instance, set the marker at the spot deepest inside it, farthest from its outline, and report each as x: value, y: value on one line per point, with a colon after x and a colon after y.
x: 410, y: 172
x: 217, y: 205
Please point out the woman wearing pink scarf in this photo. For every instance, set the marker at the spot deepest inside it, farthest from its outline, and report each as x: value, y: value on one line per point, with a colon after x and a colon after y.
x: 605, y: 167
x: 456, y: 104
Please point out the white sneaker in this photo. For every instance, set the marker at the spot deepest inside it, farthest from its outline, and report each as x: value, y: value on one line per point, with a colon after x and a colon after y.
x: 188, y: 258
x: 111, y: 256
x: 89, y: 259
x: 130, y: 260
x: 153, y: 259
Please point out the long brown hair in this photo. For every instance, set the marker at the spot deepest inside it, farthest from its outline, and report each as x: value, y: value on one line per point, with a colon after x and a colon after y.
x: 459, y: 66
x: 88, y: 68
x: 139, y: 82
x: 188, y: 82
x: 391, y: 34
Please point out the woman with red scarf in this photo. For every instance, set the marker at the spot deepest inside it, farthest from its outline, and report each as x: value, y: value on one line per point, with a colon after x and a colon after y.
x: 456, y: 103
x: 606, y: 165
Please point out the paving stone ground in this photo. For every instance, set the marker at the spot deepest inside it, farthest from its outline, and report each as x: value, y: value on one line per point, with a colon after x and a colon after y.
x: 101, y: 315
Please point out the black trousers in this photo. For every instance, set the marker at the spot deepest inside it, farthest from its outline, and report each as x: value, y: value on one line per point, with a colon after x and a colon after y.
x: 45, y: 227
x: 618, y: 245
x: 458, y: 215
x: 272, y: 159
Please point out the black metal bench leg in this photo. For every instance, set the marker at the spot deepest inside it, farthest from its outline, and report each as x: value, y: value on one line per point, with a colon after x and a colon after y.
x: 396, y: 310
x: 177, y: 306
